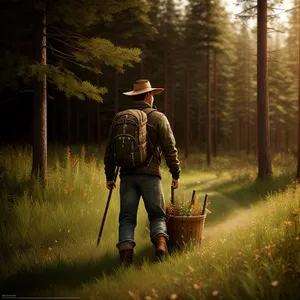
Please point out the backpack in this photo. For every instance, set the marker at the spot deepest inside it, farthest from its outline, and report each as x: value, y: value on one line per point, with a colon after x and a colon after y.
x: 130, y: 141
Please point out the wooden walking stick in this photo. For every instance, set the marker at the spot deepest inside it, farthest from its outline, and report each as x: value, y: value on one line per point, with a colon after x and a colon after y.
x: 106, y: 208
x: 172, y: 194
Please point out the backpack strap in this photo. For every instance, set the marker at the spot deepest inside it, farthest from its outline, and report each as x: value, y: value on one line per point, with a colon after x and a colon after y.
x: 148, y: 111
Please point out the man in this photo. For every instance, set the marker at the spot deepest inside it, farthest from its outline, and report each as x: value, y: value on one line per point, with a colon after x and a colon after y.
x: 144, y: 180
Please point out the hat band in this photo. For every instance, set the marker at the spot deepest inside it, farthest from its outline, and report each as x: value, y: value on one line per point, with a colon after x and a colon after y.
x: 141, y: 86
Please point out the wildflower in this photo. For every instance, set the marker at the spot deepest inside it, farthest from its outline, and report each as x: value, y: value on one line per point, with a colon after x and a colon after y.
x: 173, y: 296
x: 154, y: 293
x: 69, y: 230
x: 274, y: 283
x: 65, y: 191
x: 50, y: 248
x: 196, y: 286
x: 288, y: 223
x: 84, y: 194
x: 71, y: 189
x: 131, y: 294
x: 191, y: 269
x: 55, y: 241
x: 215, y: 293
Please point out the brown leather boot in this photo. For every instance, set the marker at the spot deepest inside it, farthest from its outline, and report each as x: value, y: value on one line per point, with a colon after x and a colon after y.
x: 161, y: 248
x: 126, y: 253
x: 126, y: 257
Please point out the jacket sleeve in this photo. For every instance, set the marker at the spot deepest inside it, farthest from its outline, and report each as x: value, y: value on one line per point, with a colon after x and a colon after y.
x: 109, y: 163
x: 168, y: 146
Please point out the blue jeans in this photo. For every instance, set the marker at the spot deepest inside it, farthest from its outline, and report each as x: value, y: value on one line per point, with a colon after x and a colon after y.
x: 150, y: 188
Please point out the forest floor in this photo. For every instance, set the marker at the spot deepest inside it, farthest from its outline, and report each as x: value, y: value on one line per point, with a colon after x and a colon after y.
x: 250, y: 250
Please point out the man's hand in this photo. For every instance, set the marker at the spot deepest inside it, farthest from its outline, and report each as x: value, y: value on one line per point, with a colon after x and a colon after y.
x: 110, y: 184
x: 175, y: 183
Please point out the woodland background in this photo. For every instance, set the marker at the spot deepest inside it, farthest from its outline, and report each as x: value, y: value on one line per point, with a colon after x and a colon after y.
x: 206, y: 63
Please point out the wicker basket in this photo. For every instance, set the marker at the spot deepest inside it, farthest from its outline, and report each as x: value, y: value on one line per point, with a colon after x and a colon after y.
x: 185, y: 229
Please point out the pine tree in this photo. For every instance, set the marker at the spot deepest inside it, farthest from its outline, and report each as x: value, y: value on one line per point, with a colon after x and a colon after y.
x: 264, y: 156
x: 66, y: 23
x: 298, y: 167
x: 264, y: 159
x: 200, y: 37
x: 293, y: 53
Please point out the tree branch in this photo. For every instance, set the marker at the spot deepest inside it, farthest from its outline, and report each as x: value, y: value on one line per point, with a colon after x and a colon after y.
x: 76, y: 35
x: 70, y: 60
x: 59, y: 40
x: 274, y: 30
x: 247, y: 9
x: 53, y: 49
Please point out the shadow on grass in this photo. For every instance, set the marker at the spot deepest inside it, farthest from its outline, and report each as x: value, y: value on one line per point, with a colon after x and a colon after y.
x: 69, y: 274
x: 241, y: 194
x: 246, y: 191
x: 14, y: 187
x: 228, y: 196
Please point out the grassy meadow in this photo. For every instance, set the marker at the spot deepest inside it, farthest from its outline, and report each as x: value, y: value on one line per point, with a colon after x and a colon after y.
x: 250, y: 250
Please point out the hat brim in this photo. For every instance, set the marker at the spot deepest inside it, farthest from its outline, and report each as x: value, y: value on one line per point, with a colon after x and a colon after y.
x: 155, y: 91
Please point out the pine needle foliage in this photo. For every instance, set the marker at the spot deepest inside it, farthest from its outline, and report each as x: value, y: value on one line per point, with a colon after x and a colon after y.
x: 70, y: 44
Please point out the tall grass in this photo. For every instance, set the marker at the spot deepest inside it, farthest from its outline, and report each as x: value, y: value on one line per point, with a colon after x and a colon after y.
x: 48, y: 236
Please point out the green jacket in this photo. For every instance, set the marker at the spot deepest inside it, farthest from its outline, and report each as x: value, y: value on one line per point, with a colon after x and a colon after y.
x: 161, y: 135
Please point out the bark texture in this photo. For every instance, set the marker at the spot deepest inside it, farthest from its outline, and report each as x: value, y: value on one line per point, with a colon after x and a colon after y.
x: 264, y: 157
x: 39, y: 160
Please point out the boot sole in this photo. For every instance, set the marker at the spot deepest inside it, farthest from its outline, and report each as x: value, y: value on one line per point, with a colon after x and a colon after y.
x: 161, y: 255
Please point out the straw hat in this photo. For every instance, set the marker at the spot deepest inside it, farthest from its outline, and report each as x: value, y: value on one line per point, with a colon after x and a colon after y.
x: 143, y: 86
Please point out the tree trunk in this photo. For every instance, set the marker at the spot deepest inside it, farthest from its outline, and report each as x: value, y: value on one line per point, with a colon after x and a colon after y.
x: 142, y: 68
x: 241, y: 134
x: 78, y: 122
x: 89, y: 122
x: 216, y: 106
x: 173, y: 107
x: 208, y: 126
x: 287, y: 141
x: 98, y: 117
x: 248, y: 101
x: 277, y: 139
x: 116, y: 92
x: 39, y: 160
x: 166, y: 82
x: 264, y: 159
x: 298, y: 167
x: 187, y: 114
x: 199, y: 131
x: 54, y: 120
x: 69, y: 121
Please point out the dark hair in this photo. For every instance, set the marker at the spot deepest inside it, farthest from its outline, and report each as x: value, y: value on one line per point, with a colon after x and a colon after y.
x: 140, y: 97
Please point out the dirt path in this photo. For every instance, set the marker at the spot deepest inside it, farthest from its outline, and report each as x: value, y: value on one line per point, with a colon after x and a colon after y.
x: 240, y: 216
